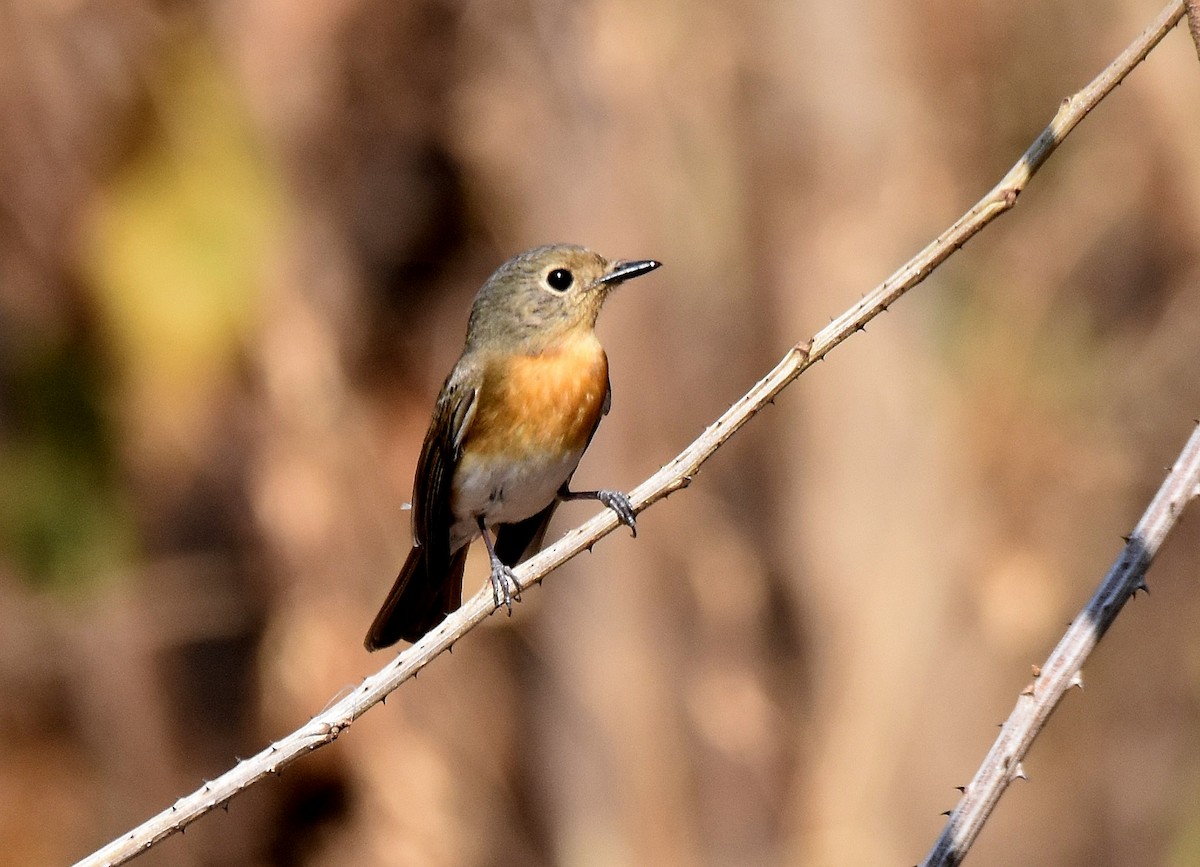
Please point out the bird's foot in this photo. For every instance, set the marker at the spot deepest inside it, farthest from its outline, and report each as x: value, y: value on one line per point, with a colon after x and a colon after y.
x: 621, y: 506
x: 615, y: 500
x: 505, y: 589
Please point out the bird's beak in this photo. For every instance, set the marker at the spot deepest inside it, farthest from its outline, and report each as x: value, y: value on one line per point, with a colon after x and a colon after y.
x: 624, y: 270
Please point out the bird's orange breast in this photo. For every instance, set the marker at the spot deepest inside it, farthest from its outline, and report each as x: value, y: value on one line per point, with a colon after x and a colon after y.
x: 549, y: 403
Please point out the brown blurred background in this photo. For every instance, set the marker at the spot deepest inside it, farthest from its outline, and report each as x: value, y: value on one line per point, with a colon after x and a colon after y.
x: 238, y: 242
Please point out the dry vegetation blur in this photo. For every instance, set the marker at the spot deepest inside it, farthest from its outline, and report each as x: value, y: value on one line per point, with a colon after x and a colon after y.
x: 238, y: 242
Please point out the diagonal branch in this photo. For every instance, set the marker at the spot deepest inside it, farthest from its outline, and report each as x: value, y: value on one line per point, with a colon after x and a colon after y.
x: 327, y: 726
x: 1061, y: 670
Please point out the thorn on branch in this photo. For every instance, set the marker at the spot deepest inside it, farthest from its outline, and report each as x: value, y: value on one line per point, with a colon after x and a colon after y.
x: 1076, y: 680
x: 1037, y: 670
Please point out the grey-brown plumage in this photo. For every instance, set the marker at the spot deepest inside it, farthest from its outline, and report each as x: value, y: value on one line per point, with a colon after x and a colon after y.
x: 510, y: 425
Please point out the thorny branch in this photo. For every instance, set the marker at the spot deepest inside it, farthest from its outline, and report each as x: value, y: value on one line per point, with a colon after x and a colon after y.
x: 1061, y: 670
x: 328, y: 725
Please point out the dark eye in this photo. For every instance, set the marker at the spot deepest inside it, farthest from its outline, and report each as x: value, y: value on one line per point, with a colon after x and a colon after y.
x: 560, y: 279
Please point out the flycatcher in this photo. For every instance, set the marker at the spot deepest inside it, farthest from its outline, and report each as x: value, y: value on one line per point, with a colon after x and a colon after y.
x: 510, y: 425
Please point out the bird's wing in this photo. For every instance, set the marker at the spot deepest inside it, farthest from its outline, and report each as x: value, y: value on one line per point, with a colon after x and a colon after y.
x: 432, y: 518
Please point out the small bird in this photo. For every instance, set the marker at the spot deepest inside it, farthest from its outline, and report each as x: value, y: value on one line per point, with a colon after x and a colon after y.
x: 510, y: 425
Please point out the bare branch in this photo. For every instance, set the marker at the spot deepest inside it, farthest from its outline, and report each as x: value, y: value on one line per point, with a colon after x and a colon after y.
x: 677, y: 474
x: 1062, y: 669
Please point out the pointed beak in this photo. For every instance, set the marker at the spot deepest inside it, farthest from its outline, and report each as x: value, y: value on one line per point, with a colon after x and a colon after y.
x: 623, y: 270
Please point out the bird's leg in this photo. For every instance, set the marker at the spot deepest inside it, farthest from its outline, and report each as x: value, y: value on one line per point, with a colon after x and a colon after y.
x: 505, y: 588
x: 615, y: 500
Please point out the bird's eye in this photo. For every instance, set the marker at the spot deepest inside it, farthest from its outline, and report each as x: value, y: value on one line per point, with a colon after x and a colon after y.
x: 560, y: 279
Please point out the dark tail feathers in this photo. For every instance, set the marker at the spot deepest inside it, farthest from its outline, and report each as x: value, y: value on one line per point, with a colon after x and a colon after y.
x: 417, y: 601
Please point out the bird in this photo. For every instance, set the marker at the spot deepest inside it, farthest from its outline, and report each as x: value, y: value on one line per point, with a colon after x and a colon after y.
x: 511, y: 422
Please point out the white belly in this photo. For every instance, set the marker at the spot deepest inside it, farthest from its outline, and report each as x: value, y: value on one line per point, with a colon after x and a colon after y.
x: 504, y: 491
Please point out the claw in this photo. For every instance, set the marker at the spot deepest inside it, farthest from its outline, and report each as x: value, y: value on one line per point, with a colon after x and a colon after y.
x: 505, y: 589
x: 614, y: 500
x: 621, y: 506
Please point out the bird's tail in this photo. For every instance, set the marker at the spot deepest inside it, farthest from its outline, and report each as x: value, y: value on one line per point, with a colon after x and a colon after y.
x: 417, y: 601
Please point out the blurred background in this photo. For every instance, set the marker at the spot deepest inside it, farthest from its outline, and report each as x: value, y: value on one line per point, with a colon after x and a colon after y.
x: 238, y: 243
